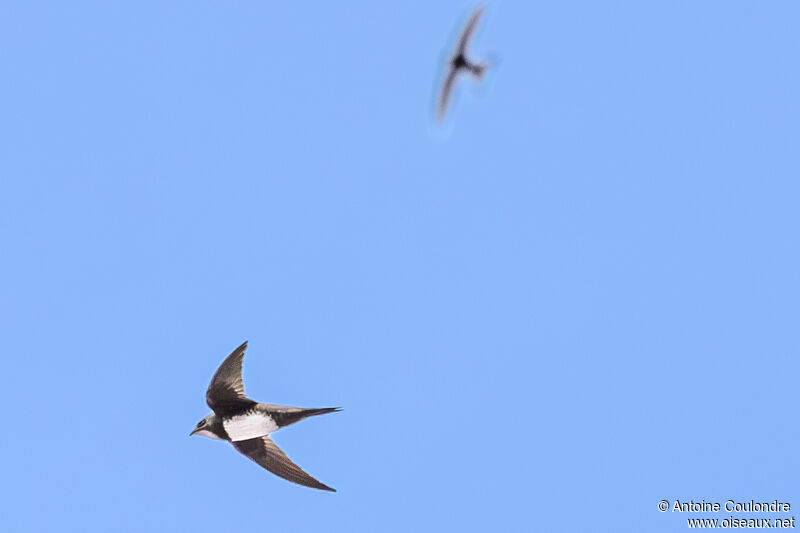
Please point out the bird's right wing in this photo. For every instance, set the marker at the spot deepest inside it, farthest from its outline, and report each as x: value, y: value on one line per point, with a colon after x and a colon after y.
x: 444, y: 97
x: 264, y: 452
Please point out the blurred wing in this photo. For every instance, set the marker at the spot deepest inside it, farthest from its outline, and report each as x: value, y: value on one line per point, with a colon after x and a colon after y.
x: 226, y: 391
x: 469, y: 29
x: 264, y: 452
x: 444, y: 97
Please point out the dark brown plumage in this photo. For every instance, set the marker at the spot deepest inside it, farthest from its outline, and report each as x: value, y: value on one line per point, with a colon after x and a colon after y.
x: 225, y: 393
x: 247, y: 424
x: 265, y: 453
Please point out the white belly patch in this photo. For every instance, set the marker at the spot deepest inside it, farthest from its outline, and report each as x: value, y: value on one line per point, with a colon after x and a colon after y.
x: 249, y: 426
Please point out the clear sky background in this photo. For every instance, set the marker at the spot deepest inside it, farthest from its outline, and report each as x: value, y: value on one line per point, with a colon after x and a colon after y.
x: 577, y: 298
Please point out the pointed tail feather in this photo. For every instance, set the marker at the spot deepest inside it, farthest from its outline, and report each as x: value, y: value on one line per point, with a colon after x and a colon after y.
x: 285, y: 416
x: 478, y: 69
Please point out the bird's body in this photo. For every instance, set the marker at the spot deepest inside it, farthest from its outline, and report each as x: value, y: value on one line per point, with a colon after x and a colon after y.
x: 247, y: 424
x: 459, y: 63
x: 259, y: 420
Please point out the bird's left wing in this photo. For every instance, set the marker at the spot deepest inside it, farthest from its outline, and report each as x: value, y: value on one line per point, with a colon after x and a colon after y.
x: 466, y: 35
x: 264, y: 452
x: 225, y: 393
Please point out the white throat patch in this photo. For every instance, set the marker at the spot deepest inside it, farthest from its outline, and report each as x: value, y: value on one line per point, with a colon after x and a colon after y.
x: 249, y: 426
x: 206, y: 433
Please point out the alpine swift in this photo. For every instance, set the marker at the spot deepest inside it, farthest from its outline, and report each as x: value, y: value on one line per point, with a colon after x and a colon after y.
x: 247, y: 424
x: 460, y: 62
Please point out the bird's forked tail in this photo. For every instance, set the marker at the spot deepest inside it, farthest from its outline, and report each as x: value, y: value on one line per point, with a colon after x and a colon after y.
x: 285, y: 416
x: 478, y: 69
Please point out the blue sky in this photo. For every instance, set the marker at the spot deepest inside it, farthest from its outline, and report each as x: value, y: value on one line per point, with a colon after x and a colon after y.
x: 575, y: 299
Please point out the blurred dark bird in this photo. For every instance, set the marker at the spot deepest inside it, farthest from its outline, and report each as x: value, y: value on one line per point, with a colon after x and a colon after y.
x: 247, y: 424
x: 459, y: 62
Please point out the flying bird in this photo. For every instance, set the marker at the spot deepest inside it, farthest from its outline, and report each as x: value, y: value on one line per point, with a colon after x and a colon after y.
x: 459, y: 62
x: 247, y: 424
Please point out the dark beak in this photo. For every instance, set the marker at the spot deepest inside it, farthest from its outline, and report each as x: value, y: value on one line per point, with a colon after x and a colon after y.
x: 193, y: 431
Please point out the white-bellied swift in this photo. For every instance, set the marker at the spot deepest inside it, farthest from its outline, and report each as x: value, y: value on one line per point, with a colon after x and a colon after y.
x: 247, y: 424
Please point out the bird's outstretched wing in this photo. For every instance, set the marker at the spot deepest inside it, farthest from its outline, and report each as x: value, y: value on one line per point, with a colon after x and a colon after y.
x: 264, y: 452
x: 469, y: 29
x: 225, y: 393
x: 461, y: 51
x: 444, y: 97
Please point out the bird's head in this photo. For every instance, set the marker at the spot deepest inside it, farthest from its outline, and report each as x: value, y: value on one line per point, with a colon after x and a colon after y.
x: 206, y: 427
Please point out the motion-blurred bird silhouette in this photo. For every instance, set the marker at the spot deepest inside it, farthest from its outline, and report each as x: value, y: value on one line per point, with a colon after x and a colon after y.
x: 459, y: 62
